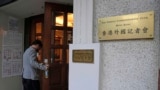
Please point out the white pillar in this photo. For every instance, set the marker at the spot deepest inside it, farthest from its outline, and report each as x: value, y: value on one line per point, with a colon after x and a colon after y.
x: 83, y: 21
x: 83, y: 76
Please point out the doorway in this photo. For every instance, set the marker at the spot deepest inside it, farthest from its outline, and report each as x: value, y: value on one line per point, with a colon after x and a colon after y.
x: 55, y: 29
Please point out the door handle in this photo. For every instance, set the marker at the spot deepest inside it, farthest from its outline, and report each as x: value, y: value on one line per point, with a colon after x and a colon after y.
x: 46, y: 71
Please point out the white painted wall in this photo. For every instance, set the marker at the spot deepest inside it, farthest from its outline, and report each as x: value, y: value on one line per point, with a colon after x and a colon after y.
x: 84, y: 76
x: 10, y: 83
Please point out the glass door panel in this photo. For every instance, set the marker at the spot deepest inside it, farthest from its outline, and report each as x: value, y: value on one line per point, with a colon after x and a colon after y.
x: 38, y: 27
x: 38, y: 36
x: 56, y: 55
x: 59, y: 18
x: 70, y: 20
x: 57, y: 37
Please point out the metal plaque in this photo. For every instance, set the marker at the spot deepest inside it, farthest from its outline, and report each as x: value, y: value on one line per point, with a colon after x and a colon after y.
x: 83, y: 56
x: 132, y: 26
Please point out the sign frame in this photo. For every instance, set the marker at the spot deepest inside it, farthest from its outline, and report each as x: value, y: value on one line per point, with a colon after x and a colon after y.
x: 83, y: 55
x: 131, y: 26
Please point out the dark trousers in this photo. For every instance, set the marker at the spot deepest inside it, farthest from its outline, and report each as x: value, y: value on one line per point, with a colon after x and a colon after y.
x: 29, y: 84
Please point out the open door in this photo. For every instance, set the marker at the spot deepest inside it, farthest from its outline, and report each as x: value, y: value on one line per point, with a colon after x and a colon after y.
x: 57, y: 35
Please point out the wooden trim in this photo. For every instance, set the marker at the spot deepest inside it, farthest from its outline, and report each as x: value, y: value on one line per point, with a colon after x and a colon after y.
x: 46, y: 42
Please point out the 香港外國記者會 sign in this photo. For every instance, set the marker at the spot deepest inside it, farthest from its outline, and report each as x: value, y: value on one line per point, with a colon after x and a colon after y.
x: 131, y: 26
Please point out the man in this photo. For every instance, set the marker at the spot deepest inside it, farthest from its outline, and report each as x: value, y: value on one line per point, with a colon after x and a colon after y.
x: 30, y: 67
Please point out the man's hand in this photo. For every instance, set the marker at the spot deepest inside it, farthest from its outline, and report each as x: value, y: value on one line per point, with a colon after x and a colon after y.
x: 47, y: 66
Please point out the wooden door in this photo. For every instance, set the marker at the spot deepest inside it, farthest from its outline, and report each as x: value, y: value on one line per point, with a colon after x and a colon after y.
x: 57, y: 35
x: 33, y: 29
